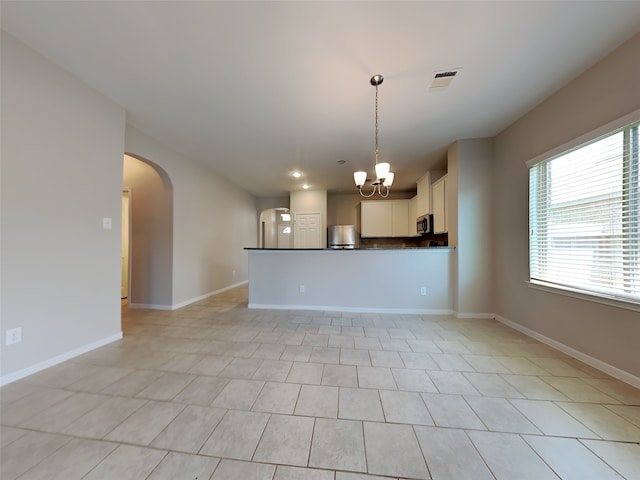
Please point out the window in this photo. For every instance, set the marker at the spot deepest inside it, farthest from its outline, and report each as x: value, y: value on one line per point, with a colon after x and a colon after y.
x: 584, y: 217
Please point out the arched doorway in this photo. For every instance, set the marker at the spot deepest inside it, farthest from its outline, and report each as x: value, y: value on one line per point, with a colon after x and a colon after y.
x: 150, y: 197
x: 275, y: 228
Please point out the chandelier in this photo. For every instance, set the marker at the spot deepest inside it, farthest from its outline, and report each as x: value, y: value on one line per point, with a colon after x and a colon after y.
x: 384, y: 178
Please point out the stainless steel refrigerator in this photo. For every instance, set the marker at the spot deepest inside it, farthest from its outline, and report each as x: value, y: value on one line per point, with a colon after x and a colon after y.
x: 341, y: 236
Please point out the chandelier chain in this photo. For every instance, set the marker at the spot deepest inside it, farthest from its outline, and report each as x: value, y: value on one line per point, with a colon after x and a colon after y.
x: 376, y: 123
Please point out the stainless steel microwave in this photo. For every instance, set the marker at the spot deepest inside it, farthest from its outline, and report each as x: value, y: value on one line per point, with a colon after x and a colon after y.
x: 424, y: 224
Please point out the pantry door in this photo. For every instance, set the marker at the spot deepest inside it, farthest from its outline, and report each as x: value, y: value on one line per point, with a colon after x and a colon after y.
x: 307, y: 231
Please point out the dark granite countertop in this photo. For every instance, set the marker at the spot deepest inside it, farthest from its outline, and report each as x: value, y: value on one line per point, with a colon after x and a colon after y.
x: 348, y: 249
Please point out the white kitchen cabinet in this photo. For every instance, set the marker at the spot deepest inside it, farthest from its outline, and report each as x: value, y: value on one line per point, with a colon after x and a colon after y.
x: 439, y: 193
x: 413, y: 216
x: 376, y: 219
x: 384, y: 218
x: 400, y: 218
x: 424, y: 195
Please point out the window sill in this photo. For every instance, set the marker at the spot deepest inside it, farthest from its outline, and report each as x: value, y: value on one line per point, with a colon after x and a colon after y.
x: 588, y: 296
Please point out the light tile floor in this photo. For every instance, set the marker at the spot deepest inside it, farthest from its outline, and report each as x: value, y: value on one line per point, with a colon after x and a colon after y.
x: 218, y: 391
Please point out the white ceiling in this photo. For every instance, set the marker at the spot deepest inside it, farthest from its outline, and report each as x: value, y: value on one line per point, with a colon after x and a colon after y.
x: 258, y: 89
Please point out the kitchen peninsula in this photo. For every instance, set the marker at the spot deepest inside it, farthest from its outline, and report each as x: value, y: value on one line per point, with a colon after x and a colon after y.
x: 394, y: 280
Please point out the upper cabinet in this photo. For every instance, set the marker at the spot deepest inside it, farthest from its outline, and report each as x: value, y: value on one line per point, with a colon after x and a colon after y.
x: 384, y: 218
x: 413, y: 215
x: 424, y: 195
x: 400, y: 218
x: 439, y: 197
x: 376, y: 218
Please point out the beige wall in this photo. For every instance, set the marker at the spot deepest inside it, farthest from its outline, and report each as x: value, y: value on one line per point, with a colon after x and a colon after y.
x: 469, y: 208
x: 61, y: 154
x: 264, y: 203
x: 343, y: 209
x: 62, y: 173
x: 609, y: 90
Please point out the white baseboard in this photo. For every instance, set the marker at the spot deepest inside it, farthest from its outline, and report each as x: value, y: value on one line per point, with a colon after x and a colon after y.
x: 25, y: 372
x: 615, y: 372
x: 409, y: 311
x: 207, y: 295
x: 149, y: 306
x: 176, y: 306
x: 333, y: 308
x: 474, y: 315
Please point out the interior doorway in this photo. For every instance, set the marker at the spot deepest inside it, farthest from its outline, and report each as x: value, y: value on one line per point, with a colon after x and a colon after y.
x: 275, y: 228
x: 150, y: 235
x: 126, y: 243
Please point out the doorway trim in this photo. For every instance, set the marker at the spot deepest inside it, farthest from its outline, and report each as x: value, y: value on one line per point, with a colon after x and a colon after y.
x: 128, y: 191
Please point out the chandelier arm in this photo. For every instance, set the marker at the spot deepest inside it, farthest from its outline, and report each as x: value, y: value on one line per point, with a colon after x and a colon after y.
x: 387, y: 191
x: 367, y: 196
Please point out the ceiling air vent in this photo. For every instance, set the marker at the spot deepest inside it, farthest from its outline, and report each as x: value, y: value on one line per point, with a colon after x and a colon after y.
x: 443, y: 78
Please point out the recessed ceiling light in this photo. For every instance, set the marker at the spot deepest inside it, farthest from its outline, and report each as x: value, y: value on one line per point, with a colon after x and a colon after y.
x: 305, y: 186
x: 296, y: 174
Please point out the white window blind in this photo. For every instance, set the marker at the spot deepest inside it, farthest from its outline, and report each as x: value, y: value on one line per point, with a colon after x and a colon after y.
x: 584, y: 218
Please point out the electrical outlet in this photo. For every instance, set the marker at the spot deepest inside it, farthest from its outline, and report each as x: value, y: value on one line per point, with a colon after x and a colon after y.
x: 423, y: 291
x: 301, y: 288
x: 13, y: 336
x: 107, y: 223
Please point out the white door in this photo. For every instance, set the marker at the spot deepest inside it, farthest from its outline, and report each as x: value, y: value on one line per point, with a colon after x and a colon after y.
x: 124, y: 293
x: 307, y: 230
x: 284, y: 235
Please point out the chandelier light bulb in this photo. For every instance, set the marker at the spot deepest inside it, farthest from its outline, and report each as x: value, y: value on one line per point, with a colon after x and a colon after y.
x: 382, y: 170
x: 388, y: 180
